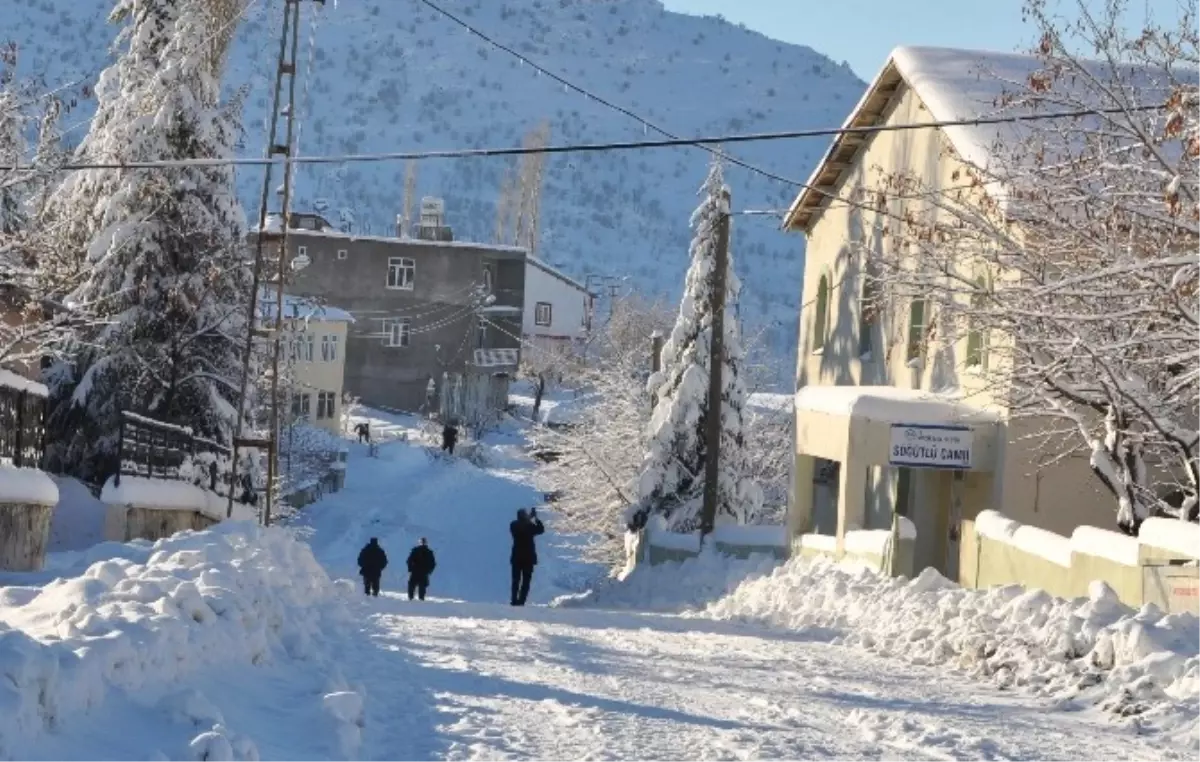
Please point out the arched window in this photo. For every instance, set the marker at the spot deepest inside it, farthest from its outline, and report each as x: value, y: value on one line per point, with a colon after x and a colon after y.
x: 918, y: 322
x: 868, y: 309
x: 821, y: 320
x: 976, y: 338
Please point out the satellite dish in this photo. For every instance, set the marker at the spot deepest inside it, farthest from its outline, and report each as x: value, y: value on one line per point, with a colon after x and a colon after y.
x: 300, y: 261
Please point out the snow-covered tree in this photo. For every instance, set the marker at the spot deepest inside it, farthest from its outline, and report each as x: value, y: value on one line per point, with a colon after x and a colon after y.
x: 1069, y: 262
x: 160, y: 249
x: 671, y: 483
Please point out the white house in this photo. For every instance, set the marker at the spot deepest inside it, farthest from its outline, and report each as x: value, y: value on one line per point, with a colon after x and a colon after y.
x: 558, y: 309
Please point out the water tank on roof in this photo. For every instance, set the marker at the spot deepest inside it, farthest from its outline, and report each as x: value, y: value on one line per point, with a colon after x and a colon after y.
x: 431, y: 225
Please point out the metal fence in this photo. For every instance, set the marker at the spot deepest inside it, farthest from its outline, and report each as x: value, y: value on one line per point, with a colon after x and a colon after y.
x: 22, y: 427
x: 157, y: 450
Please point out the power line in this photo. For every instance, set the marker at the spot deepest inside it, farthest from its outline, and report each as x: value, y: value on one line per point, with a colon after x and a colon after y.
x: 468, y: 153
x: 646, y: 123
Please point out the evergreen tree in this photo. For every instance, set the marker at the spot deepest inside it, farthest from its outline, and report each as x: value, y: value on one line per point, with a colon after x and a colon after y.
x: 671, y: 483
x: 161, y: 250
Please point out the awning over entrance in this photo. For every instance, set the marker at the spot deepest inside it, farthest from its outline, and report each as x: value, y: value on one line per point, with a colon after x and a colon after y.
x: 882, y: 426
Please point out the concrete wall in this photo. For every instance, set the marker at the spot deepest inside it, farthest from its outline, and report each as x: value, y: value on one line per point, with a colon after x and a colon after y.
x: 569, y: 306
x: 157, y: 523
x: 24, y: 535
x: 443, y: 329
x: 312, y: 378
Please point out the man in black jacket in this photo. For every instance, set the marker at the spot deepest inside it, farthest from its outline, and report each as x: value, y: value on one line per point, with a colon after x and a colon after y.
x: 371, y: 563
x: 524, y: 552
x: 449, y: 436
x: 421, y: 564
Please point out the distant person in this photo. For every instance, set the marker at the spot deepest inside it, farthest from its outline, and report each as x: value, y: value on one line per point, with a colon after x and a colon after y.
x: 449, y: 437
x: 371, y: 563
x: 524, y: 552
x: 364, y: 432
x: 421, y: 564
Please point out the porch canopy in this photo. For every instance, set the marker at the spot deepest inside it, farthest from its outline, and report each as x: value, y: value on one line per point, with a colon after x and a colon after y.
x: 865, y: 426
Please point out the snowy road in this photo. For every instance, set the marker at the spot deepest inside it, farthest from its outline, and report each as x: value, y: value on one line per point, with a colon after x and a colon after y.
x: 483, y: 681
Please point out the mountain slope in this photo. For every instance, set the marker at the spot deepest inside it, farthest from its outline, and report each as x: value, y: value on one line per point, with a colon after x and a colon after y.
x: 393, y: 75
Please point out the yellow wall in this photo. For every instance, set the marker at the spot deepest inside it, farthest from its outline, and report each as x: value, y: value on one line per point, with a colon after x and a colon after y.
x: 317, y: 376
x: 1058, y: 497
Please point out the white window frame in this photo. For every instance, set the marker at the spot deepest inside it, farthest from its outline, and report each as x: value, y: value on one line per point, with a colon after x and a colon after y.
x: 397, y: 332
x: 302, y: 251
x: 303, y: 401
x: 489, y: 277
x: 333, y: 347
x: 324, y: 405
x: 341, y: 254
x: 309, y: 344
x: 325, y: 349
x: 405, y: 269
x: 537, y: 314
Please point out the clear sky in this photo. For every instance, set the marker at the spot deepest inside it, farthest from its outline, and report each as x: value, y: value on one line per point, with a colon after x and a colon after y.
x: 863, y: 32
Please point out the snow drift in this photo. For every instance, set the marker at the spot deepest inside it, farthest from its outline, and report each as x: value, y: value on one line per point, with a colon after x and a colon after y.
x: 234, y: 594
x: 1143, y: 665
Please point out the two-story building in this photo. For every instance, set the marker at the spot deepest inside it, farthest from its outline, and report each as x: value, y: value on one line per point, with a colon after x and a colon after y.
x: 313, y: 353
x: 437, y: 323
x: 886, y: 421
x: 558, y: 308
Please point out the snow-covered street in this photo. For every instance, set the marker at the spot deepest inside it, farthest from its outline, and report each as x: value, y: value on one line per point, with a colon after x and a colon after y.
x: 321, y: 672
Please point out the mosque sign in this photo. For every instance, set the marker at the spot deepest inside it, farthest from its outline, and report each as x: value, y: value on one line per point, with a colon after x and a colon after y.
x: 930, y: 446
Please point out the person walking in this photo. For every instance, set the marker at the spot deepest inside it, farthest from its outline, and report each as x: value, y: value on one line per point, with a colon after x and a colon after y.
x: 449, y: 437
x: 371, y: 563
x: 421, y: 564
x: 524, y: 552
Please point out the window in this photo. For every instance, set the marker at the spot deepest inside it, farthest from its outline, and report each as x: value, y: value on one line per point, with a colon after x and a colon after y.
x: 302, y: 251
x: 868, y: 309
x: 401, y: 273
x: 821, y: 319
x: 396, y: 333
x: 341, y: 254
x: 542, y: 313
x: 976, y: 343
x: 300, y: 406
x: 326, y: 405
x: 489, y: 278
x: 329, y: 345
x: 918, y: 321
x: 294, y: 350
x: 309, y: 342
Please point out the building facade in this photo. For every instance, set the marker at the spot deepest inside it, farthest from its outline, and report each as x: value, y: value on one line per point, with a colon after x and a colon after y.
x: 899, y: 387
x: 558, y: 309
x: 314, y: 356
x: 437, y: 323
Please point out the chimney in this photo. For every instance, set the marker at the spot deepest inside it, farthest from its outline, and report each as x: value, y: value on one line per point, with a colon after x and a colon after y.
x: 400, y: 231
x: 432, y: 222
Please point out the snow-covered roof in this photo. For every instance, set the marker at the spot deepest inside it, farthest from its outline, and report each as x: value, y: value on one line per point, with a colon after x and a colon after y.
x: 303, y: 308
x: 539, y: 264
x: 337, y: 234
x: 22, y: 384
x: 956, y: 84
x: 890, y: 404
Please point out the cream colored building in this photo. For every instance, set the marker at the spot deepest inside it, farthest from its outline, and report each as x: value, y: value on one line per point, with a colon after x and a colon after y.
x: 314, y: 348
x: 923, y: 434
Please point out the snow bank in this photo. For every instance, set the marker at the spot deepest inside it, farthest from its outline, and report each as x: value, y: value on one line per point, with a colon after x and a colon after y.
x: 1089, y: 651
x: 167, y: 494
x: 874, y: 542
x: 26, y: 485
x: 233, y: 594
x: 1182, y: 537
x: 78, y: 520
x: 22, y: 384
x: 752, y: 536
x: 1116, y: 547
x: 822, y: 543
x: 673, y: 586
x: 1039, y: 542
x: 659, y: 536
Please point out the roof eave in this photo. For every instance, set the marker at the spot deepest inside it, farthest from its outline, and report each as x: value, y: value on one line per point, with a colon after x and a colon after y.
x: 815, y: 195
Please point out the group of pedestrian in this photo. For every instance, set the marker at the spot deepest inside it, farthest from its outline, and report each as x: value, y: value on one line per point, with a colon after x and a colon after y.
x: 372, y: 560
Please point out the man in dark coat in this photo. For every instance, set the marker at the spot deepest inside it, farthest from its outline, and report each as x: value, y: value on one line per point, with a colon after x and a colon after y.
x: 421, y: 564
x: 371, y: 563
x: 524, y: 552
x: 449, y: 437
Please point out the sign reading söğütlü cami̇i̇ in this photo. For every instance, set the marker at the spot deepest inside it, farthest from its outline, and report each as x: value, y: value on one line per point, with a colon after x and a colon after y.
x: 924, y: 446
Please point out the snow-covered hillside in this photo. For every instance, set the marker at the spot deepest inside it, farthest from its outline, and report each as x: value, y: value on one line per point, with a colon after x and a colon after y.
x: 392, y: 75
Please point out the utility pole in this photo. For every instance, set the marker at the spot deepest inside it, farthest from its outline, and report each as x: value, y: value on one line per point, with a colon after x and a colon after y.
x: 272, y: 328
x: 656, y: 345
x: 716, y: 300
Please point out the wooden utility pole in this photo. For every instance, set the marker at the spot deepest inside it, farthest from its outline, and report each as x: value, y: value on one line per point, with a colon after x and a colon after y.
x: 712, y: 436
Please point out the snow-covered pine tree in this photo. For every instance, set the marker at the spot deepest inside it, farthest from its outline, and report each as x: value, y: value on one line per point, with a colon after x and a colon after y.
x: 671, y: 483
x: 161, y: 248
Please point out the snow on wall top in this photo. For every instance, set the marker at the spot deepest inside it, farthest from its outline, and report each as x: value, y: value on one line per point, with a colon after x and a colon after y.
x: 26, y: 485
x: 1103, y: 543
x: 162, y: 494
x: 22, y: 384
x: 1182, y: 537
x: 1039, y: 542
x: 304, y: 308
x: 890, y: 404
